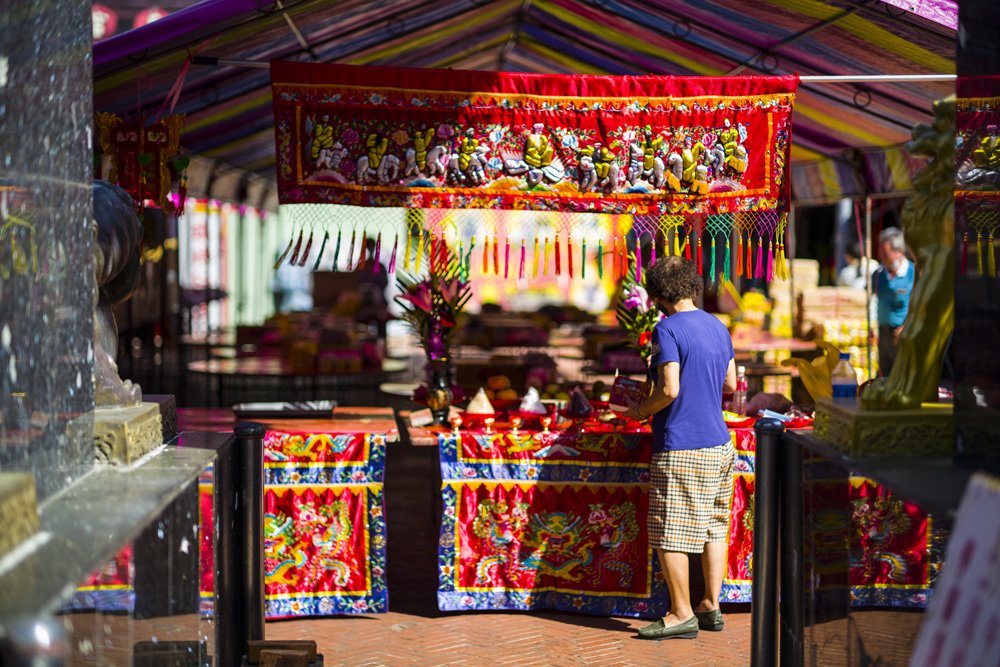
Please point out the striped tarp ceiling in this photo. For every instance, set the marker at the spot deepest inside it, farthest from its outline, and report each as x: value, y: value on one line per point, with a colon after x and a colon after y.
x: 229, y: 108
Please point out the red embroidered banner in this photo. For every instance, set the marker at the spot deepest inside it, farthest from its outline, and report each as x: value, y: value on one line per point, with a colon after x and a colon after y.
x: 420, y: 138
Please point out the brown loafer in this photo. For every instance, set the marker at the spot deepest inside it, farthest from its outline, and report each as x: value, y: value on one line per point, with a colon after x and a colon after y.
x: 684, y: 630
x: 710, y: 620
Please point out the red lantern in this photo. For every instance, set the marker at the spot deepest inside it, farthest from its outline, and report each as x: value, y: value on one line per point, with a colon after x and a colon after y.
x: 105, y: 21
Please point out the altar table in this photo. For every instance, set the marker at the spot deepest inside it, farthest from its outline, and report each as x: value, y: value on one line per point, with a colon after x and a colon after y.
x: 324, y: 515
x: 558, y: 521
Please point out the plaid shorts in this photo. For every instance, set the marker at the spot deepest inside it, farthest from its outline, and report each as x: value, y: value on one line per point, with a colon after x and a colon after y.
x: 689, y: 496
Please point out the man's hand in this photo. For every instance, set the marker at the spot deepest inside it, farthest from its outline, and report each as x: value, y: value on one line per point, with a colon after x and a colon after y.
x: 633, y: 412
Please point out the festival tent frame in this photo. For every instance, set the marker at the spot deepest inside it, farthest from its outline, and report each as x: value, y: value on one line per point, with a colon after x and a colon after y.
x: 209, y: 62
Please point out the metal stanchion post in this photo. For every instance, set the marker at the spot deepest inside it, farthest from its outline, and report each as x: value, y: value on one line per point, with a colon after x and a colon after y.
x: 763, y: 612
x: 790, y: 585
x: 250, y: 443
x: 229, y: 638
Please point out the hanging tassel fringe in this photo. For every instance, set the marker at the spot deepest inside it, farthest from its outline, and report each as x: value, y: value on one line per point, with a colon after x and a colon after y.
x: 726, y: 273
x: 534, y: 259
x: 545, y: 266
x: 748, y: 265
x: 298, y: 246
x: 739, y: 256
x: 687, y: 247
x: 377, y: 259
x: 308, y: 250
x: 583, y: 260
x: 282, y: 256
x: 322, y: 247
x: 770, y: 262
x: 652, y: 250
x: 600, y: 259
x: 506, y: 258
x: 699, y: 261
x: 759, y: 269
x: 486, y: 255
x: 569, y: 254
x: 496, y: 256
x: 711, y: 264
x: 558, y: 257
x: 520, y: 273
x: 468, y: 258
x: 638, y: 261
x: 336, y: 250
x: 963, y: 262
x: 392, y: 258
x: 992, y: 260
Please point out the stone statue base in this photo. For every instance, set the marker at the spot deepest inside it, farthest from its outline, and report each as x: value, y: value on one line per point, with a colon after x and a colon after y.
x: 928, y: 432
x: 18, y: 510
x: 123, y: 435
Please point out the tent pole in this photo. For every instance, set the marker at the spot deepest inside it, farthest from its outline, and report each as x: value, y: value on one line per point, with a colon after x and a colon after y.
x: 808, y: 78
x: 867, y: 249
x: 876, y: 78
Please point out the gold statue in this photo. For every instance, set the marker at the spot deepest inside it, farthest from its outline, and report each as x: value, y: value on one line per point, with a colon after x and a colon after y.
x: 928, y: 221
x: 817, y: 375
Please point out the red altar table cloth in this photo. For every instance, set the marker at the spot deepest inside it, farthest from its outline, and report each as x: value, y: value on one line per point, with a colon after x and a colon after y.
x: 506, y: 499
x: 324, y: 520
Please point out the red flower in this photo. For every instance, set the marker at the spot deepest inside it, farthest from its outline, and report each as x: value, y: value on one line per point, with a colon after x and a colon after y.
x: 644, y: 338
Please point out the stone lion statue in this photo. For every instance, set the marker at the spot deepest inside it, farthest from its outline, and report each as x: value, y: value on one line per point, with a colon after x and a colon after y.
x: 928, y: 221
x: 117, y: 247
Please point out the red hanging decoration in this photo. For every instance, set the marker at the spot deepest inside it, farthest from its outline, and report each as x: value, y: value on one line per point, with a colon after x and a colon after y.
x: 700, y: 269
x: 506, y: 257
x: 141, y: 156
x: 520, y: 273
x: 687, y: 247
x: 305, y: 255
x: 569, y: 255
x: 739, y: 255
x: 558, y: 257
x: 748, y: 265
x: 496, y: 256
x: 486, y: 254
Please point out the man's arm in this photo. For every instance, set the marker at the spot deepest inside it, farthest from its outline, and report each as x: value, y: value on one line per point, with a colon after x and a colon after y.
x: 729, y: 385
x: 668, y: 384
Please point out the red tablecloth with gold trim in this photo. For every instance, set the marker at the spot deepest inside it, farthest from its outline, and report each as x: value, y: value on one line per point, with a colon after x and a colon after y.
x: 324, y: 523
x: 558, y: 521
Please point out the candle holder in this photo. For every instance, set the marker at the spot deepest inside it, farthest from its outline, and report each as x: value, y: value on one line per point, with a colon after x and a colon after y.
x: 488, y: 423
x: 545, y: 422
x: 515, y: 425
x: 456, y: 424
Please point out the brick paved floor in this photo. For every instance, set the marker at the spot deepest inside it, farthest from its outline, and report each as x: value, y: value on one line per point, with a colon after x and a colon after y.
x: 414, y: 632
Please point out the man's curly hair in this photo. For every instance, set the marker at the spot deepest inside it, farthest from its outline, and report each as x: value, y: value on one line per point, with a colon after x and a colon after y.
x: 673, y: 278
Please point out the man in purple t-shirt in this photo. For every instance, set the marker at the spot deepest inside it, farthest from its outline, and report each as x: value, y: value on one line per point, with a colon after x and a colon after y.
x: 692, y: 466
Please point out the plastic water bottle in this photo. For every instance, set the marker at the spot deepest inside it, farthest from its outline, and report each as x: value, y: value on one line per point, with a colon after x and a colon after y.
x: 845, y: 380
x: 740, y: 394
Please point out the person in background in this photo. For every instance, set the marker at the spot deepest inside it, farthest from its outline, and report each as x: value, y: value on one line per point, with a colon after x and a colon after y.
x: 692, y: 465
x: 855, y: 273
x: 892, y: 285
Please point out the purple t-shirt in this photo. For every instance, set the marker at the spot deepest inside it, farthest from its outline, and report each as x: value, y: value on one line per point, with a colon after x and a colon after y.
x: 700, y: 343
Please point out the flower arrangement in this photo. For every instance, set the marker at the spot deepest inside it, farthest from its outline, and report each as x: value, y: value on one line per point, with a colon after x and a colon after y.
x: 433, y: 306
x: 637, y: 314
